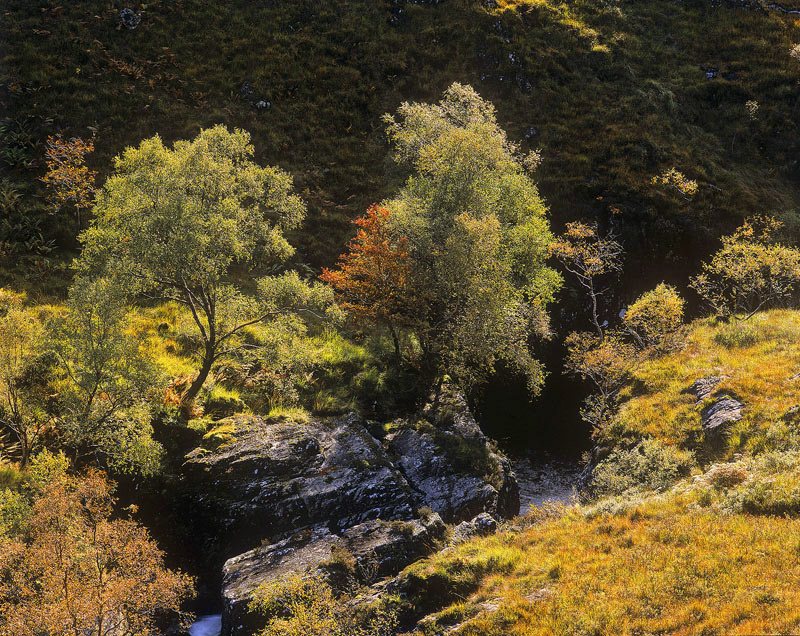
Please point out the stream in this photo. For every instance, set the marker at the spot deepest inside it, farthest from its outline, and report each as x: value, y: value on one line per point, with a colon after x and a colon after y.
x: 207, y: 626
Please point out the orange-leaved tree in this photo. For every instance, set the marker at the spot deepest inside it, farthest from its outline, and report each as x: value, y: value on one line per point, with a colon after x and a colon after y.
x: 78, y: 571
x: 68, y: 179
x: 372, y: 279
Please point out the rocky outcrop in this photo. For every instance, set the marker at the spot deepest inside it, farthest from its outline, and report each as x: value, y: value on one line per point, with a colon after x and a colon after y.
x: 305, y: 491
x: 278, y: 476
x: 452, y: 465
x: 481, y: 526
x: 447, y: 471
x: 717, y: 415
x: 359, y: 555
x: 703, y: 388
x: 720, y: 408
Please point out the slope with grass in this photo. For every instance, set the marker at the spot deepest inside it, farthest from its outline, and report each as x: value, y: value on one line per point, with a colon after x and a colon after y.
x: 714, y: 552
x: 613, y: 93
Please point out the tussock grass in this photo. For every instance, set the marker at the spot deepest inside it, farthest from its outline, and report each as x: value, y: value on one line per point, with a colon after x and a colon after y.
x: 757, y: 361
x: 614, y: 91
x: 656, y: 569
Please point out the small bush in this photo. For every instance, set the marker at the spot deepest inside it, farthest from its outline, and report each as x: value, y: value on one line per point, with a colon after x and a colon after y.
x: 656, y: 317
x: 727, y: 475
x: 306, y: 606
x: 649, y: 465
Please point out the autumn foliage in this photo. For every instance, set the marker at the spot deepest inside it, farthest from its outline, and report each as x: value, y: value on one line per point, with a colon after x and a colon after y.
x: 69, y: 180
x: 78, y: 571
x: 372, y: 279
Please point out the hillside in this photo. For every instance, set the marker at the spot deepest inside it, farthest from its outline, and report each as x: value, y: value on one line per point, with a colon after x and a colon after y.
x: 714, y: 552
x: 399, y: 317
x: 612, y: 93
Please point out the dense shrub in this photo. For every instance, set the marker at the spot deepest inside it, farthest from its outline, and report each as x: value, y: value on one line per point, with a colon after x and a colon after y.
x: 656, y: 317
x: 649, y: 465
x: 750, y: 272
x: 306, y: 606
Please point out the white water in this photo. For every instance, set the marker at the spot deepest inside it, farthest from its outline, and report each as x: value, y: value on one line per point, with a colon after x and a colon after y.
x: 207, y: 626
x: 546, y: 479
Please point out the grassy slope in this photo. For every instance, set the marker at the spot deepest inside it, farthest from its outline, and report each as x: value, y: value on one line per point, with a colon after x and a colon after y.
x: 614, y: 91
x: 717, y: 554
x: 758, y: 361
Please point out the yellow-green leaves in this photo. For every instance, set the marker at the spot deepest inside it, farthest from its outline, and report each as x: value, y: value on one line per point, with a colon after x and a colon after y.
x: 656, y: 316
x: 184, y: 224
x: 750, y: 272
x: 477, y: 237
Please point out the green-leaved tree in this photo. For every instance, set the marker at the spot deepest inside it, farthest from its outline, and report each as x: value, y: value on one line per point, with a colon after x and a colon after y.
x: 477, y: 235
x: 750, y: 272
x: 193, y: 224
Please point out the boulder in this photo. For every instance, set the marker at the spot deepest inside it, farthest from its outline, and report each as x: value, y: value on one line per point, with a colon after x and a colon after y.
x: 456, y: 477
x: 703, y: 388
x: 362, y: 553
x: 275, y: 477
x: 481, y: 526
x: 720, y: 410
x: 129, y: 18
x: 716, y: 416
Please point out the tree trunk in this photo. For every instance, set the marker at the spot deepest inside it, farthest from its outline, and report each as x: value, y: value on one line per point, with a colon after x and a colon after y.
x: 191, y: 393
x: 595, y: 319
x: 396, y: 342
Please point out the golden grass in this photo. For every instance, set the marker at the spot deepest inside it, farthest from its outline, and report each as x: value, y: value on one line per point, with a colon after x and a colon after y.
x: 655, y: 570
x: 718, y: 554
x: 756, y: 359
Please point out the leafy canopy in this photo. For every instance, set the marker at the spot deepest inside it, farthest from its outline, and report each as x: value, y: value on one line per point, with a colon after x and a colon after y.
x: 186, y: 223
x: 750, y: 272
x: 77, y: 570
x: 22, y: 417
x: 102, y: 380
x: 477, y: 237
x: 372, y: 279
x: 588, y: 257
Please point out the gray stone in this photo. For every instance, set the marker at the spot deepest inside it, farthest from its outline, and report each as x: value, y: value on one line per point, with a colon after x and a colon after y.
x: 724, y: 410
x: 129, y: 18
x: 481, y: 526
x: 449, y: 471
x: 703, y: 388
x: 377, y: 549
x: 279, y: 476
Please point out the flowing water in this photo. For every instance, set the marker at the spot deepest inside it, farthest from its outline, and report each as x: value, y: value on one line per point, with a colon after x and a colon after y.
x: 207, y: 626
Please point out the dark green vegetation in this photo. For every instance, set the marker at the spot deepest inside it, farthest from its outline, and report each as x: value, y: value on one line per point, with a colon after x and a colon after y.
x: 612, y: 93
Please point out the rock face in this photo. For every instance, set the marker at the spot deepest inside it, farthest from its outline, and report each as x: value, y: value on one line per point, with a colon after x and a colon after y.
x: 280, y: 476
x: 703, y: 388
x: 441, y: 468
x: 306, y: 490
x: 365, y: 552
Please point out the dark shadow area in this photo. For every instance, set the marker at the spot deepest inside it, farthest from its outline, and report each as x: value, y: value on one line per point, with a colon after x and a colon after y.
x: 549, y: 423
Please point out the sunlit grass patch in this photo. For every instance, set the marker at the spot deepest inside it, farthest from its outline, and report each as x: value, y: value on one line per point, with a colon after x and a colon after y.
x: 656, y: 569
x: 756, y: 362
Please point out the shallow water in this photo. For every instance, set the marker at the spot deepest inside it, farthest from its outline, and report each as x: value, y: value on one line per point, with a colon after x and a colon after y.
x: 207, y: 626
x: 545, y: 478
